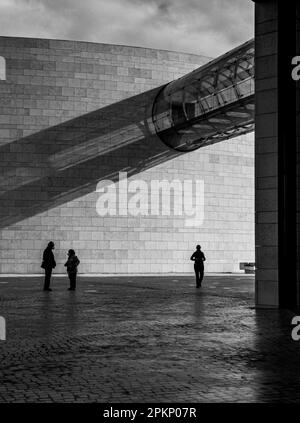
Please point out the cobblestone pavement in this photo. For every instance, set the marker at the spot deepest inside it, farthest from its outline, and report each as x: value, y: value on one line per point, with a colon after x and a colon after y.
x: 144, y: 339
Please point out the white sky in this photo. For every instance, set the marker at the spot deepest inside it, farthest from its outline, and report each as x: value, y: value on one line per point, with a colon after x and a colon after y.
x: 208, y: 27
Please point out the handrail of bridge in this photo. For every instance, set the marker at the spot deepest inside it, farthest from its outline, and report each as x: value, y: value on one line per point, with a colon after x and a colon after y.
x: 210, y: 104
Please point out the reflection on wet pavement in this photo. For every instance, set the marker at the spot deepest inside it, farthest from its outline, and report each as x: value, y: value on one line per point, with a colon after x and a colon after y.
x: 144, y: 339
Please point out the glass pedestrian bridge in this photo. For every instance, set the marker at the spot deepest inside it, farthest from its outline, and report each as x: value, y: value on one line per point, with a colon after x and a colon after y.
x: 213, y: 103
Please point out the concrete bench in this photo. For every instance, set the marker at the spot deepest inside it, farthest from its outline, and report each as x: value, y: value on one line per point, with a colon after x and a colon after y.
x: 248, y: 267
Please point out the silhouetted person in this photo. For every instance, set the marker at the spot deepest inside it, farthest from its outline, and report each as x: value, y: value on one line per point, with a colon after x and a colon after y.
x: 71, y: 264
x: 198, y: 257
x: 48, y: 264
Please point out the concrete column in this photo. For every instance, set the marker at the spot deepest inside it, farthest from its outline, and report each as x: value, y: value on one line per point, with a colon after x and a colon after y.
x: 276, y: 147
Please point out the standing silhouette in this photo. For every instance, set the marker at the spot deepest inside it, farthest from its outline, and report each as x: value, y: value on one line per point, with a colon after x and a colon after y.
x: 71, y: 264
x: 198, y: 257
x: 48, y: 264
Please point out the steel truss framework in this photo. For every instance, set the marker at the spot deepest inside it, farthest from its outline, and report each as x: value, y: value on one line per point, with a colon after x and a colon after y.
x: 211, y: 104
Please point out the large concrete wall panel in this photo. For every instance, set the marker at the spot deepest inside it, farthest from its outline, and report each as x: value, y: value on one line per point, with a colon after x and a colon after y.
x: 75, y: 113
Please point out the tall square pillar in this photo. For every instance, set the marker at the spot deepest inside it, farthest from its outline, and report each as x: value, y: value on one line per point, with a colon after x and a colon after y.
x: 276, y: 154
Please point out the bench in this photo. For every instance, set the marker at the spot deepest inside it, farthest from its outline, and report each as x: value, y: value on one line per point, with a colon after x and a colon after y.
x: 248, y: 267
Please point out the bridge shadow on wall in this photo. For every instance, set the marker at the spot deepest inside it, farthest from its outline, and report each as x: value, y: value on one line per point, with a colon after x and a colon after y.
x: 65, y: 162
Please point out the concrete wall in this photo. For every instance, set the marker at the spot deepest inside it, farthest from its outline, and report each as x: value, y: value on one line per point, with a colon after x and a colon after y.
x: 266, y: 158
x: 277, y: 155
x: 74, y: 113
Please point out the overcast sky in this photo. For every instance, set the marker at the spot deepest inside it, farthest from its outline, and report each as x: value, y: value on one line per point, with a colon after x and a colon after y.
x: 208, y: 27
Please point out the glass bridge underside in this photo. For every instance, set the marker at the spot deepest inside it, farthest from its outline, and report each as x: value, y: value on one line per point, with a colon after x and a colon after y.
x: 211, y: 104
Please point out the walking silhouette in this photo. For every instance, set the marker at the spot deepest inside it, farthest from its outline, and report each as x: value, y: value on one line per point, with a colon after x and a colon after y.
x: 198, y: 258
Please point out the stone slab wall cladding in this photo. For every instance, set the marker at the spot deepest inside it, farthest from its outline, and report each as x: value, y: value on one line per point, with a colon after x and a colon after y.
x: 74, y: 113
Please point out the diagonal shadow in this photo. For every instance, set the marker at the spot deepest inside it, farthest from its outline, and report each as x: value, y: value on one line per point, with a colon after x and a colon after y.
x: 65, y: 162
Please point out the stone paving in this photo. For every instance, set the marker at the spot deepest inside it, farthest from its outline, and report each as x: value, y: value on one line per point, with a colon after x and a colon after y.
x: 144, y: 339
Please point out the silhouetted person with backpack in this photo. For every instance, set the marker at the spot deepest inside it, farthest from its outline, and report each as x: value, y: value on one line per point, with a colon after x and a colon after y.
x: 71, y: 264
x: 198, y: 257
x: 48, y: 264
